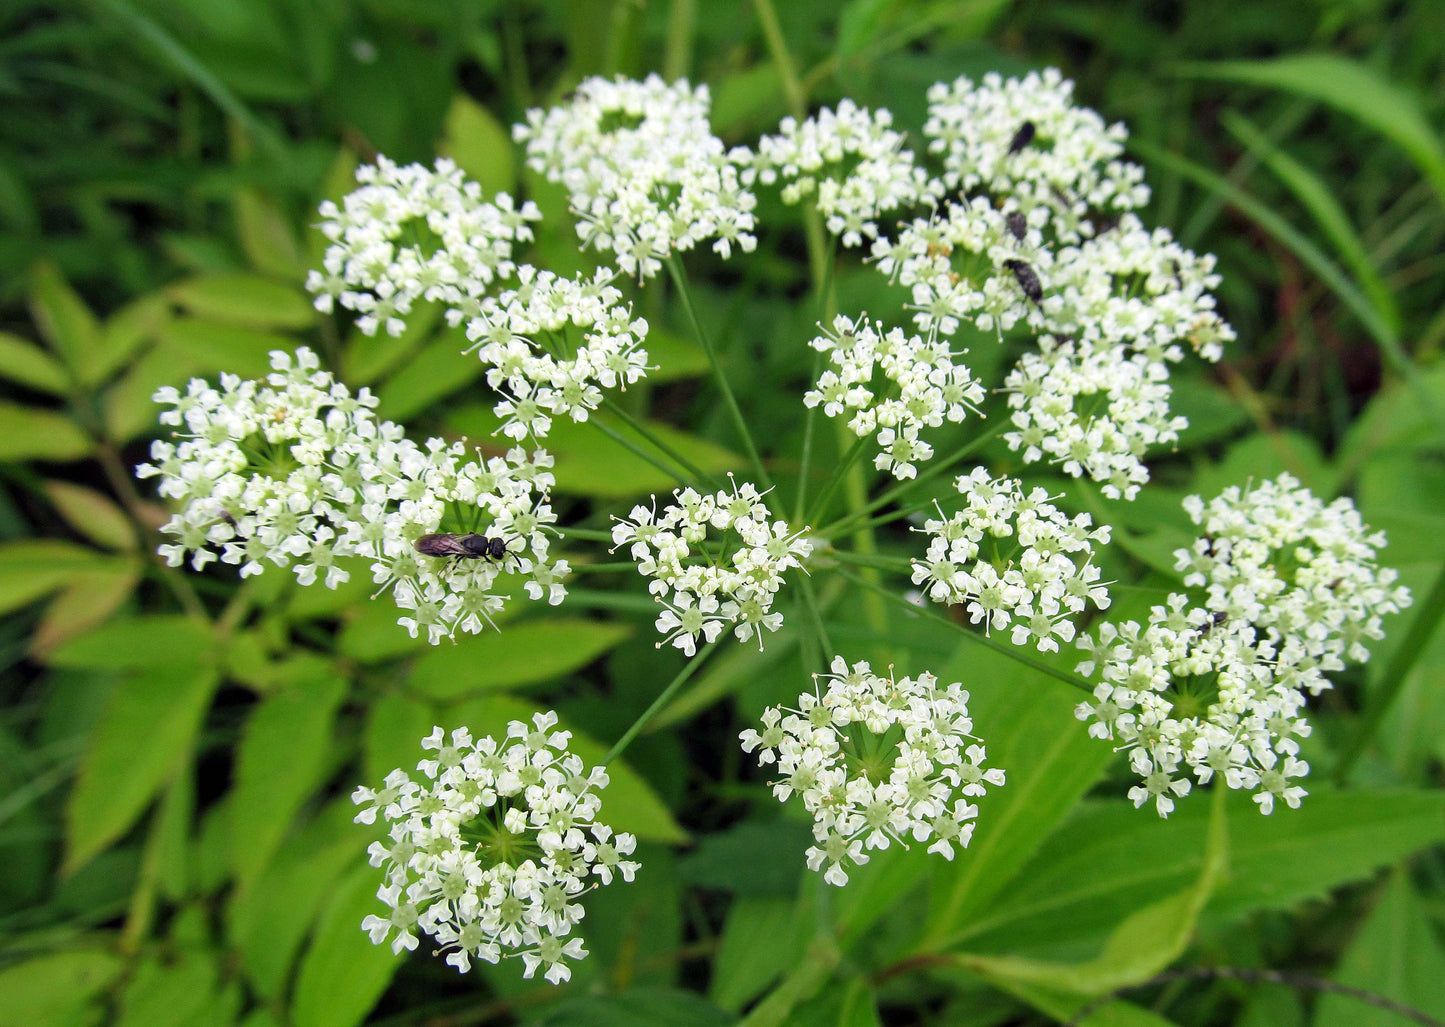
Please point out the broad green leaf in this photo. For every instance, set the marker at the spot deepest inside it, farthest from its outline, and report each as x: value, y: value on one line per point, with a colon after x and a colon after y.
x: 395, y: 725
x: 64, y: 321
x: 372, y: 635
x: 673, y: 357
x: 1263, y: 455
x: 32, y: 433
x: 88, y: 599
x: 266, y: 237
x: 802, y: 983
x: 144, y: 736
x: 523, y: 654
x: 628, y: 802
x: 1213, y: 413
x: 762, y: 936
x: 175, y: 993
x: 28, y: 364
x: 267, y: 920
x: 725, y: 673
x: 480, y: 144
x: 242, y: 299
x: 1329, y: 215
x: 366, y: 358
x: 849, y: 1003
x: 1347, y: 85
x: 309, y: 603
x: 174, y: 818
x: 1090, y: 873
x: 751, y: 858
x: 637, y: 1007
x: 435, y: 372
x: 93, y: 514
x: 129, y: 329
x: 859, y: 22
x: 33, y: 568
x: 343, y: 974
x: 1396, y: 955
x: 280, y: 761
x: 158, y: 640
x: 58, y: 988
x: 1143, y: 944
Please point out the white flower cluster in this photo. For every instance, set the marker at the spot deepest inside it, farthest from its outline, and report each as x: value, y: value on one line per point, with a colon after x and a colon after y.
x: 876, y: 760
x: 854, y: 162
x: 1024, y: 138
x: 553, y: 343
x: 645, y: 174
x: 296, y: 471
x: 923, y: 388
x: 1218, y: 685
x: 490, y: 846
x: 411, y: 233
x: 1014, y: 559
x: 704, y: 588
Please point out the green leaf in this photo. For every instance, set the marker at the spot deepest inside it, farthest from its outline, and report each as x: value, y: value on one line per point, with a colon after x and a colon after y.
x: 372, y: 635
x: 395, y: 726
x: 628, y: 802
x: 88, y: 599
x: 637, y: 1007
x: 64, y: 321
x: 1143, y: 944
x: 129, y: 329
x: 177, y: 993
x: 673, y: 357
x: 751, y: 858
x: 434, y: 373
x: 480, y: 144
x: 58, y: 988
x: 1396, y: 955
x: 160, y: 640
x: 762, y: 936
x: 343, y: 974
x: 368, y: 357
x: 31, y: 366
x: 33, y: 568
x: 1348, y: 86
x: 266, y: 237
x: 280, y: 761
x: 528, y: 653
x: 247, y: 300
x: 94, y: 515
x: 144, y: 736
x: 859, y: 22
x: 30, y: 433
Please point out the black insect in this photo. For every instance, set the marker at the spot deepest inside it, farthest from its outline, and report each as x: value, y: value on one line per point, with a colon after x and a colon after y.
x: 1022, y: 137
x: 462, y: 547
x: 1028, y: 279
x: 1213, y: 622
x: 1018, y: 225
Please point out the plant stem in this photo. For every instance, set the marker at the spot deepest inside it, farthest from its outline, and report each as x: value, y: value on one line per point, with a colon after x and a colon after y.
x: 699, y: 476
x: 820, y: 507
x: 679, y: 280
x: 693, y: 666
x: 638, y: 451
x: 1002, y: 647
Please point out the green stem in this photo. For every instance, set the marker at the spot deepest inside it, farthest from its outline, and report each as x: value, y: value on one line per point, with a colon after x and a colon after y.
x: 587, y: 534
x: 700, y: 476
x: 603, y: 568
x: 1414, y: 642
x: 1001, y: 647
x: 887, y: 563
x: 815, y: 618
x: 778, y: 47
x: 693, y: 666
x: 679, y: 280
x: 638, y: 451
x: 840, y: 470
x: 806, y: 459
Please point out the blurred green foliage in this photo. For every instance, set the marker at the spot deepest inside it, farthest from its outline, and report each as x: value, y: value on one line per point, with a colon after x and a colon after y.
x: 176, y: 751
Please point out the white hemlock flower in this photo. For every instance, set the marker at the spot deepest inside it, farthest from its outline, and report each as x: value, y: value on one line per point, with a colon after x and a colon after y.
x: 877, y: 761
x: 490, y: 845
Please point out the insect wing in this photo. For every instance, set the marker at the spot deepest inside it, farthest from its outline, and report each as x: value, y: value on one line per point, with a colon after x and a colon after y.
x: 441, y: 545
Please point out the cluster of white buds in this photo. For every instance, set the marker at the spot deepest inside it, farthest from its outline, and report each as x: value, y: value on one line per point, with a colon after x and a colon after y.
x: 411, y: 233
x: 853, y: 163
x: 1015, y: 559
x: 1217, y: 684
x: 295, y: 470
x: 1025, y: 139
x: 702, y: 586
x: 876, y: 760
x: 645, y: 174
x: 491, y: 845
x: 922, y: 387
x: 552, y: 344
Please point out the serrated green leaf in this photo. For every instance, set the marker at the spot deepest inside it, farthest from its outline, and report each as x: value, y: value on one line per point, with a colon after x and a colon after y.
x: 673, y: 357
x: 266, y: 237
x: 365, y: 358
x: 175, y: 993
x: 762, y: 936
x: 372, y: 635
x: 30, y: 433
x: 129, y: 329
x: 161, y: 640
x: 343, y: 974
x: 33, y: 568
x: 395, y: 726
x: 93, y: 514
x: 432, y: 374
x: 480, y: 145
x: 64, y: 321
x: 247, y: 300
x: 28, y: 364
x: 144, y: 736
x: 279, y: 762
x: 523, y: 654
x: 58, y: 988
x: 86, y: 601
x: 637, y: 1007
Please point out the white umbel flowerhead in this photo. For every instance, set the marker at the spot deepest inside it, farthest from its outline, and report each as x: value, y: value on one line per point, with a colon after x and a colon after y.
x: 876, y: 760
x: 1014, y: 560
x: 850, y: 160
x: 704, y: 585
x: 919, y: 385
x: 1025, y: 138
x: 490, y: 845
x: 412, y: 233
x: 1287, y: 588
x: 296, y: 471
x: 645, y: 173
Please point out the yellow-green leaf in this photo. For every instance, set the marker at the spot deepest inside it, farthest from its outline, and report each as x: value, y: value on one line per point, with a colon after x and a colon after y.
x: 34, y: 568
x: 343, y: 974
x: 94, y: 515
x: 87, y: 600
x: 31, y: 366
x: 480, y: 144
x: 30, y: 433
x: 524, y: 654
x: 432, y: 374
x: 58, y: 988
x: 162, y: 640
x: 266, y: 237
x: 64, y: 320
x: 247, y: 300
